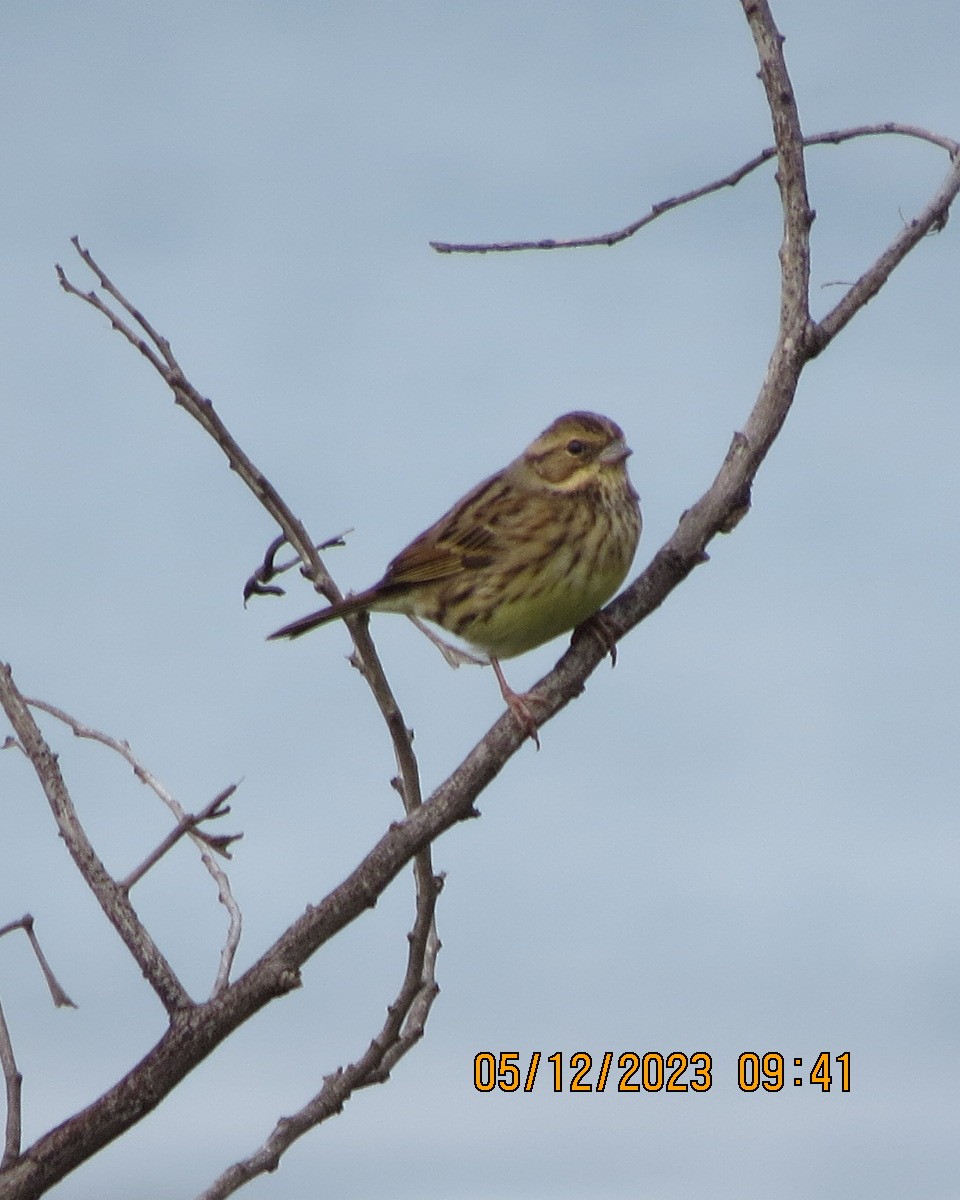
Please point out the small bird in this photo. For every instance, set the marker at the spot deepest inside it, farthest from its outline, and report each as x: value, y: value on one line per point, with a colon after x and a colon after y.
x: 528, y: 554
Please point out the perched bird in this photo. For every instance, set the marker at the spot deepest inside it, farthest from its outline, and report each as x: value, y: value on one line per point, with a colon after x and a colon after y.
x: 528, y: 554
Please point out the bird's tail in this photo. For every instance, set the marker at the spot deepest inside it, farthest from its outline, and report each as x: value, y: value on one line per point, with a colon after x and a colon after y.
x: 343, y: 608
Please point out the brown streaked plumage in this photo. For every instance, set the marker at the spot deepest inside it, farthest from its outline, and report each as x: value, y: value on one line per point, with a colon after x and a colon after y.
x: 528, y: 554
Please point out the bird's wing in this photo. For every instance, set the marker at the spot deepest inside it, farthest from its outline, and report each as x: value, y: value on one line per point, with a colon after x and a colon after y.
x: 428, y: 559
x: 462, y: 540
x: 423, y: 562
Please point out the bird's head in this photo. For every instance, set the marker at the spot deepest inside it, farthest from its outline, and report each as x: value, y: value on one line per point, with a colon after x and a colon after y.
x: 576, y: 451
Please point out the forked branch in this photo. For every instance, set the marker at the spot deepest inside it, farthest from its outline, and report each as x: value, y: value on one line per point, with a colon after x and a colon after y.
x: 109, y: 894
x: 194, y: 1033
x: 187, y: 825
x: 13, y: 1080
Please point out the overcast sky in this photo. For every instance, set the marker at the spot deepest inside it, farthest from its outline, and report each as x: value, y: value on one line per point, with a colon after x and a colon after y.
x: 742, y: 839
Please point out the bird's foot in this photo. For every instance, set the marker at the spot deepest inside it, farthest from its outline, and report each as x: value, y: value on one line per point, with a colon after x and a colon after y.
x: 520, y: 704
x: 600, y: 626
x: 454, y: 656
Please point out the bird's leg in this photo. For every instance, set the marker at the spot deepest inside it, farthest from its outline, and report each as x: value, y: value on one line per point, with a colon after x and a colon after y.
x: 453, y: 654
x: 519, y: 704
x: 600, y: 627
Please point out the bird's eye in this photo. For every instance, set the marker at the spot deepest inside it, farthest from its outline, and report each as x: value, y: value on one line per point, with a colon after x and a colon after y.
x: 575, y: 447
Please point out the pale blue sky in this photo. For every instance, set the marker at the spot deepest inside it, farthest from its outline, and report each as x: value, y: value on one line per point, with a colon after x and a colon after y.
x: 745, y: 837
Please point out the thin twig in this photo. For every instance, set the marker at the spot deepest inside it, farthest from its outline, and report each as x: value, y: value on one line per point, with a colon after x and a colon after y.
x: 833, y: 138
x: 189, y: 824
x: 403, y: 1027
x: 218, y: 875
x: 931, y: 219
x: 57, y: 994
x: 13, y: 1082
x: 202, y: 410
x: 110, y: 896
x: 261, y: 583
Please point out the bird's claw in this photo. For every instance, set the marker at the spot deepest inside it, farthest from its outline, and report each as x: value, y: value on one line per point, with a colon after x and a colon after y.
x: 519, y: 704
x: 602, y: 628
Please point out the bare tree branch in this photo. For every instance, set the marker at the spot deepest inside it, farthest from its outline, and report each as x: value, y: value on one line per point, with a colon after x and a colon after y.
x: 261, y: 583
x: 189, y: 824
x: 201, y: 409
x: 110, y: 896
x: 931, y: 219
x: 185, y: 824
x: 403, y: 1028
x: 834, y: 137
x: 406, y: 1015
x: 161, y: 358
x: 195, y: 1031
x: 57, y: 994
x: 792, y: 182
x: 13, y: 1080
x: 365, y: 657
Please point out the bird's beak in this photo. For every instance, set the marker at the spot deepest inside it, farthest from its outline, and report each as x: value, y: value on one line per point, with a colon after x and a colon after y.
x: 617, y: 452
